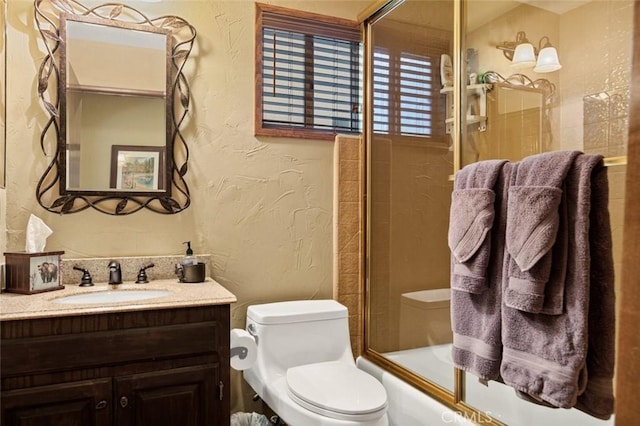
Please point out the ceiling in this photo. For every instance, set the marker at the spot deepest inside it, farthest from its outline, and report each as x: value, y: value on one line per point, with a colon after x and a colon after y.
x: 439, y: 13
x: 557, y: 7
x: 481, y: 12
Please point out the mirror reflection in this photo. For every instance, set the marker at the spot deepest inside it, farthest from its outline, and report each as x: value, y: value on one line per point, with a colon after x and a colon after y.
x: 122, y: 98
x: 104, y: 58
x: 409, y: 191
x: 115, y: 83
x: 517, y: 117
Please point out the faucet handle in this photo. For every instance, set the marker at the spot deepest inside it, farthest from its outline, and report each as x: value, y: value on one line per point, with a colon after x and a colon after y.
x: 86, y: 280
x: 142, y: 274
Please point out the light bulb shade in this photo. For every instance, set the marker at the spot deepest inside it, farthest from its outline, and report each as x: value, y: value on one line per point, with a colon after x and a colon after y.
x: 548, y: 60
x: 524, y: 56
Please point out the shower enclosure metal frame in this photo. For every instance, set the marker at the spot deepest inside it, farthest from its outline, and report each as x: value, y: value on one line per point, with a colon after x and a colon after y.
x: 373, y: 14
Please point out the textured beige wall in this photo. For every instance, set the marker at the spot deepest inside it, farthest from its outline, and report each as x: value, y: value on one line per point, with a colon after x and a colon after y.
x: 262, y: 207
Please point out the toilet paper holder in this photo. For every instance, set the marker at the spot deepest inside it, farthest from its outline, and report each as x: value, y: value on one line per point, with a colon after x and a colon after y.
x: 239, y: 351
x: 242, y: 353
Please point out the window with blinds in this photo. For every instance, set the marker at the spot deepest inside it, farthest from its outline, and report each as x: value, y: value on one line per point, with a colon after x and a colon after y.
x: 406, y: 91
x: 308, y: 74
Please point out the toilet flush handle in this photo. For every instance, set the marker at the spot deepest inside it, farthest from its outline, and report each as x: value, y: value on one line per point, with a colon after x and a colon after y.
x: 251, y: 328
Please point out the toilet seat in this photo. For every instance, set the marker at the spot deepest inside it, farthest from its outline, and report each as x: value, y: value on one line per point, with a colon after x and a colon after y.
x: 337, y: 390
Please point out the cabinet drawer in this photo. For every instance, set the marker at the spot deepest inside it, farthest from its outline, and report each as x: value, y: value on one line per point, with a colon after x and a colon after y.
x: 46, y: 354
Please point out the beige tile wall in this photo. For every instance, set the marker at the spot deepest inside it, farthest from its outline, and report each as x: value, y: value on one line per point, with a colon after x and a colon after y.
x: 595, y: 49
x: 348, y: 208
x: 379, y: 324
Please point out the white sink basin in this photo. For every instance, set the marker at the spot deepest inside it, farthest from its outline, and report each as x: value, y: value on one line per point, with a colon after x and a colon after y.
x: 114, y: 296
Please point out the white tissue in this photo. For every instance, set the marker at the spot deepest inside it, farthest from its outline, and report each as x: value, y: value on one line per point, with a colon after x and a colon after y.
x: 37, y: 233
x: 239, y: 339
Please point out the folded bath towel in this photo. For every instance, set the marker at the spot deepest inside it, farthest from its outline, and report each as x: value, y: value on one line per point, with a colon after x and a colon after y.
x: 471, y: 218
x: 476, y: 282
x: 544, y: 356
x: 533, y: 221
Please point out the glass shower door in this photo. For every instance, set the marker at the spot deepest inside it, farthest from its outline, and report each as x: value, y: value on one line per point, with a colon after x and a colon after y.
x: 410, y: 163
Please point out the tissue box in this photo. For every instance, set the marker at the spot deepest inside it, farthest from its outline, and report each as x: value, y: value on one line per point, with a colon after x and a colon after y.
x: 30, y: 273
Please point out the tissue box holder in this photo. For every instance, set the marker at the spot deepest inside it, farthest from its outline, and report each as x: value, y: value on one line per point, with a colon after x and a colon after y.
x: 30, y: 273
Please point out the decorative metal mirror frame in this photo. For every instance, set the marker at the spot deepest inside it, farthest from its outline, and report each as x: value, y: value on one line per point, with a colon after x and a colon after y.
x: 546, y: 88
x: 49, y: 192
x: 521, y: 80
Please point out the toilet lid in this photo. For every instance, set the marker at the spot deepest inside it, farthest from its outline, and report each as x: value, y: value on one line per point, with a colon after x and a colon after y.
x: 337, y: 390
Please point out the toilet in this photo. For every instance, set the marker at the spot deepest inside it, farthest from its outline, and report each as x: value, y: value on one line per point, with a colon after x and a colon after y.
x: 425, y: 318
x: 304, y: 368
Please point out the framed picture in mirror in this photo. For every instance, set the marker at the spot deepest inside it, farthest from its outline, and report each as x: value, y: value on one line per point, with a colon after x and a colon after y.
x: 137, y: 168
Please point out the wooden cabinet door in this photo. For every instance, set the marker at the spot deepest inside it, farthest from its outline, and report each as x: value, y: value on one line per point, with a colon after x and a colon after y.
x: 83, y: 403
x: 188, y: 396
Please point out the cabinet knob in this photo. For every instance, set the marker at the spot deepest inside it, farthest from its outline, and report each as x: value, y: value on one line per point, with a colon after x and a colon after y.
x: 221, y: 388
x: 100, y: 405
x: 124, y: 401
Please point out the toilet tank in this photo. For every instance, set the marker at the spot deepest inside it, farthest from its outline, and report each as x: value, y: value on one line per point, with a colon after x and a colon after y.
x: 298, y: 332
x: 425, y: 318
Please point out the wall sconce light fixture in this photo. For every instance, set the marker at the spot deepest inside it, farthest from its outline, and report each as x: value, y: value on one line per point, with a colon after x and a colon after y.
x: 522, y: 54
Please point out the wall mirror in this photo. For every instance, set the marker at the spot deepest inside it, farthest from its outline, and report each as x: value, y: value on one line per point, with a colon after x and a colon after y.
x: 518, y: 112
x: 112, y: 83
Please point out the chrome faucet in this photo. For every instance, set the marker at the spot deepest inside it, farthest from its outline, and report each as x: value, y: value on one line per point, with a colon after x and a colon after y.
x: 115, y: 273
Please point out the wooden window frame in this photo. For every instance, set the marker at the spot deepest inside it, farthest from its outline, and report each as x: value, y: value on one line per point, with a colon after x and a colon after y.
x: 296, y: 18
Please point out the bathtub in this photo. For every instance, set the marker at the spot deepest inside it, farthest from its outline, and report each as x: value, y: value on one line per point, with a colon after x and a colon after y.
x: 411, y: 407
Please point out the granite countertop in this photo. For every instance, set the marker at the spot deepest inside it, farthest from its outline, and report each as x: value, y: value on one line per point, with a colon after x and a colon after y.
x: 42, y: 305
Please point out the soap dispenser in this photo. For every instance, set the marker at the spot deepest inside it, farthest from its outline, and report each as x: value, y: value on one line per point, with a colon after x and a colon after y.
x: 189, y: 258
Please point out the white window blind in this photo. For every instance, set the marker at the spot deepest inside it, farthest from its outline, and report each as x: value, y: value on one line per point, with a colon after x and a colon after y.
x: 310, y: 74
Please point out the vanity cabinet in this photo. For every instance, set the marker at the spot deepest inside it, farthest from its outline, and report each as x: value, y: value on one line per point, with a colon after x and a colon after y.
x: 160, y: 367
x: 76, y: 403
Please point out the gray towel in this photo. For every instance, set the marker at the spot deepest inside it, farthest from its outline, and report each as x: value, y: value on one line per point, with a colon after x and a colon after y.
x: 533, y: 222
x: 471, y: 219
x: 476, y: 298
x: 544, y: 356
x: 597, y: 399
